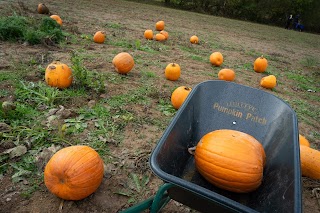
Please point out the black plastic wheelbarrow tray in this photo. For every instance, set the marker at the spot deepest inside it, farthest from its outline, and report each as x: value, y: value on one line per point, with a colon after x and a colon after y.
x: 213, y: 105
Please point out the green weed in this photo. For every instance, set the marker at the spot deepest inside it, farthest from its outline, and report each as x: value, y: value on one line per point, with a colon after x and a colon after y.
x: 19, y: 28
x: 309, y: 62
x: 84, y: 78
x: 37, y: 93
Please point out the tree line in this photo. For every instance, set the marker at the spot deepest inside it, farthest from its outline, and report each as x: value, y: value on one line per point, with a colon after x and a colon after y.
x: 273, y: 12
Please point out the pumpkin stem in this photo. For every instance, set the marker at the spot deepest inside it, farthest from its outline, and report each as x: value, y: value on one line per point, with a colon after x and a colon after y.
x: 261, y: 56
x: 192, y: 150
x: 187, y: 88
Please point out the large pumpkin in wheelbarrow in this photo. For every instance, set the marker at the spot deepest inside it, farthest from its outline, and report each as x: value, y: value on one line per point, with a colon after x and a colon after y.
x: 223, y: 105
x: 231, y: 160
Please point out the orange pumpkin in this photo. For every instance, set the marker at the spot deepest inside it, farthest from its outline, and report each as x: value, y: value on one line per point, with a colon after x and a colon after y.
x: 74, y: 172
x: 194, y: 39
x: 179, y: 95
x: 172, y: 71
x: 160, y: 25
x: 231, y: 160
x: 160, y: 37
x: 57, y: 18
x: 226, y: 75
x: 303, y: 141
x: 165, y: 33
x: 99, y: 37
x: 310, y: 162
x: 148, y: 34
x: 268, y: 82
x: 42, y: 9
x: 216, y: 59
x: 58, y: 75
x: 123, y: 62
x: 260, y: 64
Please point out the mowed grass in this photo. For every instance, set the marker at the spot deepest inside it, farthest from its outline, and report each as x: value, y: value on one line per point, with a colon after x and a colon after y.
x: 127, y: 103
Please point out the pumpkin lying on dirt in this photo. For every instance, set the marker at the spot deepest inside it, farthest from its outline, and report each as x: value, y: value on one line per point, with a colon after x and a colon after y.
x: 165, y: 33
x: 216, y: 59
x: 43, y: 9
x: 58, y: 75
x: 172, y: 71
x: 123, y: 62
x: 260, y: 64
x: 160, y: 25
x: 194, y: 39
x: 74, y: 172
x: 99, y: 37
x: 148, y: 34
x: 268, y: 82
x: 310, y: 162
x: 226, y: 75
x: 179, y: 95
x: 231, y: 160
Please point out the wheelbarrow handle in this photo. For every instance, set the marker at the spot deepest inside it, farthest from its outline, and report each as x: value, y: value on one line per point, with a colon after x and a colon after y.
x: 155, y: 203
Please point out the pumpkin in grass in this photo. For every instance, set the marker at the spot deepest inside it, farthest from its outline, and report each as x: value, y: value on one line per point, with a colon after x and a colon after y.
x: 172, y: 71
x: 179, y: 95
x: 165, y: 33
x: 148, y: 34
x: 123, y: 62
x: 231, y: 160
x: 74, y: 172
x: 226, y: 75
x: 42, y: 9
x: 194, y: 39
x: 303, y: 141
x: 268, y: 82
x: 310, y: 162
x: 99, y: 37
x: 160, y: 37
x: 58, y: 75
x: 260, y: 64
x: 57, y: 18
x: 160, y: 25
x: 216, y: 59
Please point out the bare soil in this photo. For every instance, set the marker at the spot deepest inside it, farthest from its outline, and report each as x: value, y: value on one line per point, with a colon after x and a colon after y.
x: 132, y: 155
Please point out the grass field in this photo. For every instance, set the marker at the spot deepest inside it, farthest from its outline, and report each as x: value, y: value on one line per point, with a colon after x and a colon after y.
x: 124, y: 116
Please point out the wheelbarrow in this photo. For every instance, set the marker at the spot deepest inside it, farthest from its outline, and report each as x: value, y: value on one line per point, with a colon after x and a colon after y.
x: 213, y: 105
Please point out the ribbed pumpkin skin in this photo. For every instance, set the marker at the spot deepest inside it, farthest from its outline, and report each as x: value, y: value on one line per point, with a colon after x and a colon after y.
x: 231, y: 160
x: 74, y: 173
x: 123, y: 62
x: 310, y: 162
x: 260, y: 64
x: 58, y: 75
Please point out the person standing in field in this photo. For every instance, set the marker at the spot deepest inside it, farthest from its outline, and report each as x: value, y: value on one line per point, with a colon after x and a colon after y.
x: 288, y: 23
x: 296, y: 22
